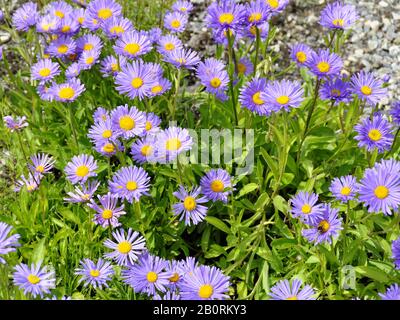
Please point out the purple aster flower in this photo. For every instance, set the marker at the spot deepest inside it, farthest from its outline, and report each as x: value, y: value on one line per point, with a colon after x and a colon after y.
x: 188, y: 266
x: 245, y: 67
x: 117, y: 26
x: 88, y: 59
x: 324, y: 64
x: 135, y: 80
x: 338, y: 15
x: 80, y: 15
x: 152, y: 124
x: 95, y: 274
x: 144, y: 150
x: 160, y: 86
x: 225, y: 14
x: 45, y: 70
x: 175, y: 21
x: 111, y: 65
x: 68, y: 91
x: 396, y: 252
x: 88, y: 42
x: 128, y: 121
x: 324, y: 227
x: 15, y: 124
x: 304, y: 206
x: 386, y: 78
x: 132, y: 44
x: 216, y: 185
x: 103, y: 9
x: 25, y: 16
x: 276, y: 6
x: 31, y: 183
x: 154, y: 35
x: 80, y: 168
x: 101, y: 115
x: 73, y: 70
x: 7, y: 243
x: 379, y: 189
x: 59, y: 9
x: 283, y: 94
x: 336, y: 90
x: 91, y: 22
x: 171, y: 142
x: 41, y: 163
x: 344, y: 188
x: 250, y: 96
x: 213, y: 75
x: 368, y: 88
x: 47, y: 24
x: 62, y: 47
x: 168, y: 296
x: 109, y: 148
x: 185, y: 58
x: 44, y: 91
x: 374, y: 134
x: 127, y: 248
x: 182, y: 6
x: 107, y: 212
x: 220, y: 36
x: 83, y: 193
x: 148, y: 275
x: 284, y: 290
x: 205, y: 283
x: 257, y: 12
x: 168, y: 43
x: 102, y: 131
x: 189, y: 208
x: 34, y: 279
x: 392, y: 293
x: 175, y: 269
x: 250, y: 31
x: 395, y: 112
x: 300, y: 53
x: 68, y: 26
x: 130, y: 183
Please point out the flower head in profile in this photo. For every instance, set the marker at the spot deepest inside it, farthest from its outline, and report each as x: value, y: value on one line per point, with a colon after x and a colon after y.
x: 31, y: 183
x: 154, y: 34
x: 285, y: 290
x: 25, y: 16
x: 324, y: 228
x: 36, y: 280
x: 336, y: 90
x: 45, y: 70
x: 374, y: 134
x: 175, y: 21
x: 392, y: 293
x: 245, y: 67
x: 152, y: 124
x: 171, y: 142
x: 101, y: 115
x: 216, y: 185
x: 368, y: 88
x: 41, y: 164
x: 83, y: 193
x: 300, y: 53
x: 182, y: 58
x: 73, y: 70
x: 344, y: 188
x: 250, y: 31
x: 80, y: 168
x: 395, y: 113
x: 108, y: 211
x: 7, y: 243
x: 324, y: 64
x: 283, y: 94
x: 132, y: 44
x: 396, y: 252
x: 68, y: 91
x: 305, y: 207
x: 126, y: 248
x: 95, y: 274
x: 338, y: 15
x: 190, y: 206
x: 128, y: 121
x: 205, y: 283
x: 15, y: 124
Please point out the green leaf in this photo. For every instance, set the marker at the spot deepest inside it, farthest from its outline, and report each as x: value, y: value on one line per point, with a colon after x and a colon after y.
x: 271, y: 163
x: 247, y: 189
x: 283, y: 243
x: 218, y: 224
x: 39, y: 251
x: 280, y: 204
x: 372, y: 273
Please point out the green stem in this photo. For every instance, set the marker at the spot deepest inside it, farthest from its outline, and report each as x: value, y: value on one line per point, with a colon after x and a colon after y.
x: 177, y: 86
x: 393, y: 143
x: 25, y: 157
x: 231, y: 63
x: 257, y: 48
x: 72, y: 123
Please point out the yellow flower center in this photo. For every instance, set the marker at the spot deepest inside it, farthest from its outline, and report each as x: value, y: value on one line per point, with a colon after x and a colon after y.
x: 173, y: 144
x: 323, y: 67
x: 65, y: 28
x: 46, y: 56
x: 283, y: 99
x: 323, y: 226
x: 374, y: 134
x: 88, y: 47
x: 94, y: 273
x: 124, y: 247
x: 148, y: 126
x: 81, y: 20
x: 107, y: 134
x: 66, y: 93
x: 59, y: 14
x: 241, y: 68
x: 152, y: 277
x: 62, y: 49
x: 82, y: 171
x: 137, y: 83
x: 104, y: 13
x: 95, y: 22
x: 226, y: 18
x: 273, y: 3
x: 45, y: 72
x: 345, y: 191
x: 174, y: 278
x: 33, y: 279
x: 206, y: 291
x: 217, y: 186
x: 215, y: 82
x: 131, y: 185
x: 39, y: 168
x: 126, y: 123
x: 366, y: 90
x: 189, y: 203
x: 301, y: 57
x: 114, y: 67
x: 181, y: 60
x: 257, y: 98
x: 107, y: 214
x: 30, y: 187
x: 338, y: 22
x: 117, y: 30
x: 108, y: 148
x: 175, y: 24
x: 292, y: 298
x: 253, y: 30
x: 335, y: 92
x: 183, y: 9
x: 169, y: 46
x: 256, y: 16
x: 156, y: 89
x: 89, y: 60
x: 132, y: 48
x: 146, y: 150
x: 306, y: 208
x: 86, y: 196
x: 381, y: 192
